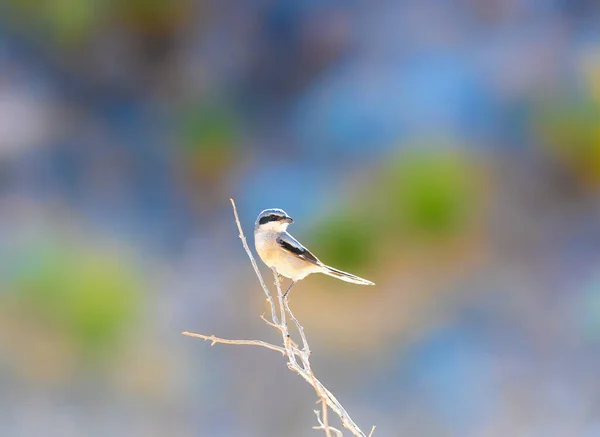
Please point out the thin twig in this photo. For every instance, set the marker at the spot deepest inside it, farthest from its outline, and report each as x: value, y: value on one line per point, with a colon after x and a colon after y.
x: 280, y: 297
x: 325, y: 417
x: 264, y: 319
x: 332, y: 401
x: 215, y: 340
x: 287, y: 340
x: 323, y: 425
x: 305, y: 346
x: 293, y: 343
x: 254, y: 265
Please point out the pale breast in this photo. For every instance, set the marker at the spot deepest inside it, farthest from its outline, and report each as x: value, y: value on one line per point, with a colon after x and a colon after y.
x: 266, y: 246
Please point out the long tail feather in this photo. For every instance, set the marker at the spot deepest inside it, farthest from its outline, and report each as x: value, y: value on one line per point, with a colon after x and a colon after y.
x: 345, y: 276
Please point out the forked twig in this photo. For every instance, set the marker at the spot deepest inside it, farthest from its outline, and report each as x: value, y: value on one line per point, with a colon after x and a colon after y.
x: 290, y: 349
x: 324, y: 425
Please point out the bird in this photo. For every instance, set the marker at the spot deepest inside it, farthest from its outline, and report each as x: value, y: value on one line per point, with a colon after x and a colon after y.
x: 284, y: 254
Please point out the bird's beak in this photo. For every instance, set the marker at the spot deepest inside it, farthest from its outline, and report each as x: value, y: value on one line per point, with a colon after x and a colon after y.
x: 288, y: 220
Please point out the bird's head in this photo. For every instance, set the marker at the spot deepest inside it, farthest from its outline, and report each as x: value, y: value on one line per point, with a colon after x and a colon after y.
x: 272, y: 220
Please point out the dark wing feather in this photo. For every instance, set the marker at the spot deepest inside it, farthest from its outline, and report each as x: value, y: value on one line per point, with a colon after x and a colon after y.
x: 291, y: 245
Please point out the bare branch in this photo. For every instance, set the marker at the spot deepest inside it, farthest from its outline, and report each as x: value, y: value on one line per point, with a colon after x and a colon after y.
x: 215, y: 340
x: 256, y: 270
x: 331, y: 400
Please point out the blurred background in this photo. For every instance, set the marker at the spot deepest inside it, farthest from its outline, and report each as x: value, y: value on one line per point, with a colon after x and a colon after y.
x: 448, y: 151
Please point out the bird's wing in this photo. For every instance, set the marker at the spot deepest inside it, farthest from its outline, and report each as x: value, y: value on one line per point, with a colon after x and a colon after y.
x: 292, y: 246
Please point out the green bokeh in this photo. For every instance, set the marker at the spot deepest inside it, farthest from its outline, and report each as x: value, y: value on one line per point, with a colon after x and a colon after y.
x: 66, y: 22
x: 209, y: 135
x: 93, y: 295
x: 416, y: 197
x: 569, y: 130
x: 208, y: 127
x: 429, y: 194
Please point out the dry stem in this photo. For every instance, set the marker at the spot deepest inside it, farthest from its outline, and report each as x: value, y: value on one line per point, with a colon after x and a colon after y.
x: 214, y: 340
x: 290, y: 349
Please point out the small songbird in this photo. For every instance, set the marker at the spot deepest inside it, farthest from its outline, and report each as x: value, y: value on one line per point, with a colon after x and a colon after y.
x: 282, y: 252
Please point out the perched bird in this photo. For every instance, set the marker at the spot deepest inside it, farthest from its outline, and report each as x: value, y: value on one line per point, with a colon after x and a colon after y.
x: 282, y: 252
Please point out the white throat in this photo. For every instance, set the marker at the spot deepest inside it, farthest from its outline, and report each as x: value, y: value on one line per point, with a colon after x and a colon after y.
x: 272, y: 227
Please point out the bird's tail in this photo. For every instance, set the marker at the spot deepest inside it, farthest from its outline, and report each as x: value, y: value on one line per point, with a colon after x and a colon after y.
x: 345, y: 276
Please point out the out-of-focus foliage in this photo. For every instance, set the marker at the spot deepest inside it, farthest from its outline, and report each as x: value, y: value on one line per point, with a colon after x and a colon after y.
x: 210, y: 138
x: 66, y: 21
x: 71, y: 23
x: 570, y: 133
x: 420, y: 197
x: 91, y: 293
x: 430, y: 193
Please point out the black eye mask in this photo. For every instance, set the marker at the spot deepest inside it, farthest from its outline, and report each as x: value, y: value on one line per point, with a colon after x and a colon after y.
x: 269, y: 218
